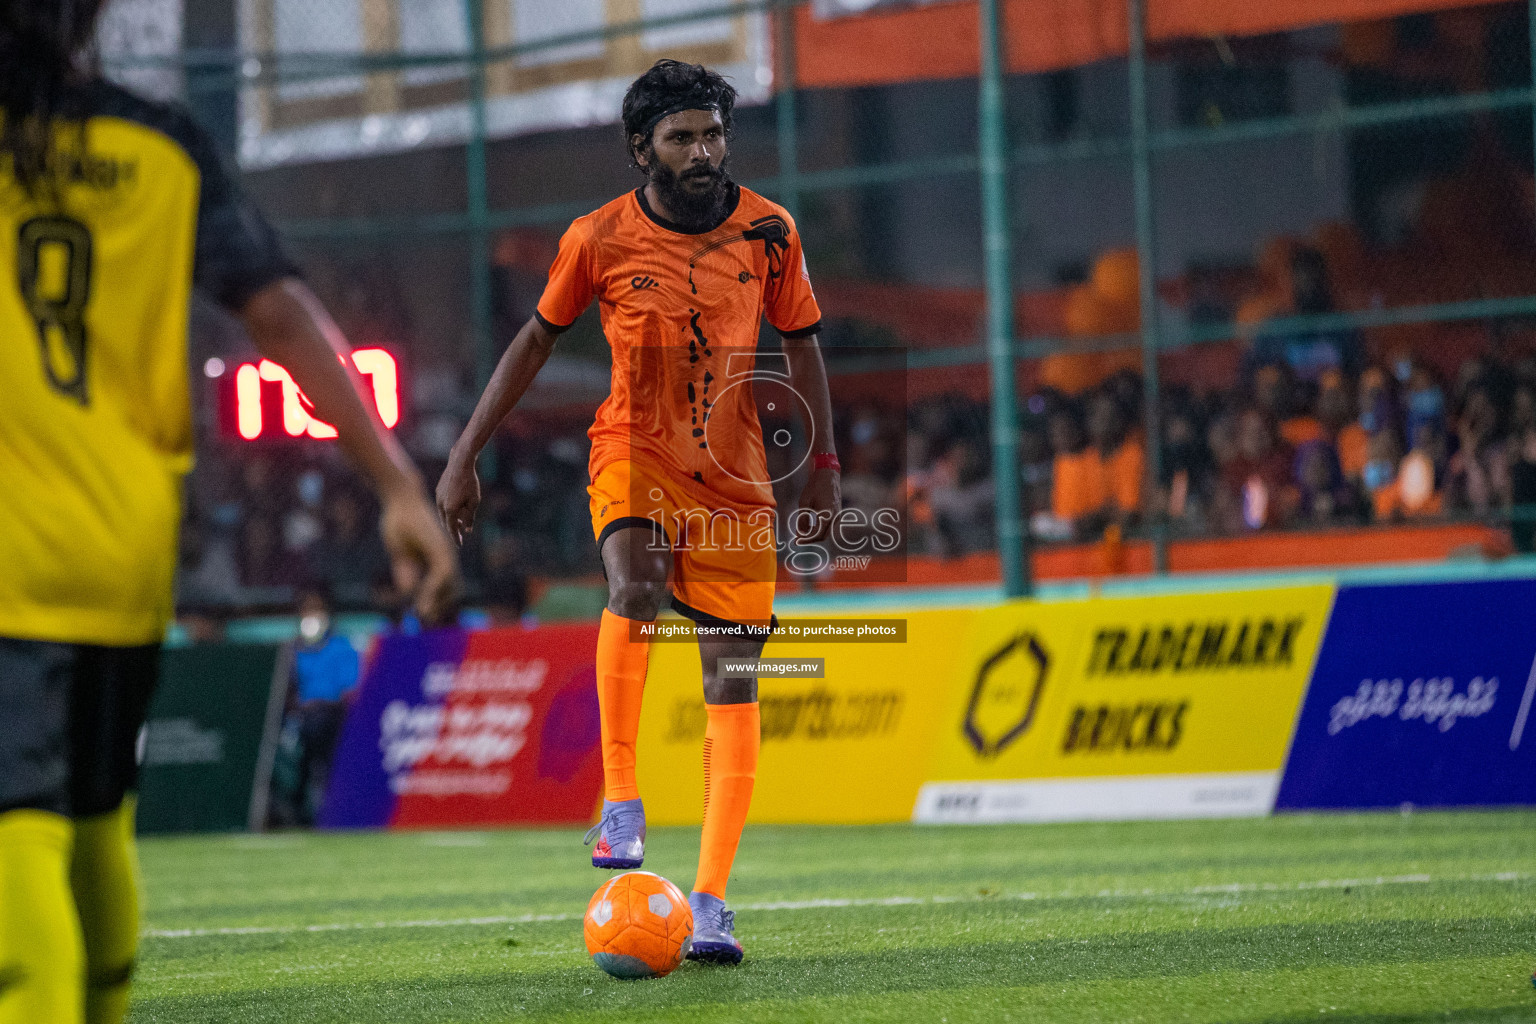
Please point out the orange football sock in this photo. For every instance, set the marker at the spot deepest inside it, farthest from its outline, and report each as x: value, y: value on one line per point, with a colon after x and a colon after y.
x: 621, y: 664
x: 731, y: 743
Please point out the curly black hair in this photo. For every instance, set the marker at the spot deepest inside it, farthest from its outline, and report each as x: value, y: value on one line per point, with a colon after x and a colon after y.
x: 45, y: 51
x: 668, y: 87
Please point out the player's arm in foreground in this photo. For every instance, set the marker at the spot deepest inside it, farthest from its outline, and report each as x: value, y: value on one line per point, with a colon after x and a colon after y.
x: 288, y: 325
x: 823, y: 490
x: 458, y: 492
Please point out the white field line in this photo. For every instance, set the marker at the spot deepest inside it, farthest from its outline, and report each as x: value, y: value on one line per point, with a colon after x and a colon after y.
x: 883, y: 901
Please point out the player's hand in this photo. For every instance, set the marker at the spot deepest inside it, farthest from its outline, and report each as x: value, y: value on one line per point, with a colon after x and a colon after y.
x: 458, y: 497
x: 823, y: 495
x: 421, y: 557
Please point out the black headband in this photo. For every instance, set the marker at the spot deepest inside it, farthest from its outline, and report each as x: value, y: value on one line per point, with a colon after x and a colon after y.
x: 676, y: 108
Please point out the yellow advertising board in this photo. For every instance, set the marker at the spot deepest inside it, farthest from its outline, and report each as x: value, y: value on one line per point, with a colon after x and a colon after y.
x: 1166, y: 706
x: 852, y: 747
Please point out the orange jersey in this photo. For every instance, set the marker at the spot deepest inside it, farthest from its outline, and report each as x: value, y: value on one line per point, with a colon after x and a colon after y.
x: 682, y: 312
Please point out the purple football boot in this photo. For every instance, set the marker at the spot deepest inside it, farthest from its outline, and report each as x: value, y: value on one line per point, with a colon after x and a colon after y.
x: 620, y: 835
x: 714, y: 939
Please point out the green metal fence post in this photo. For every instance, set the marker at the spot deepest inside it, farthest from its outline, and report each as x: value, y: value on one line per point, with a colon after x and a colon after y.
x: 1146, y: 248
x: 784, y: 112
x: 997, y: 253
x: 479, y: 209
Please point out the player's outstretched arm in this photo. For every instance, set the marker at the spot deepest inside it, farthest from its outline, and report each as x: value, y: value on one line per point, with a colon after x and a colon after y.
x: 288, y: 325
x: 458, y: 492
x: 808, y: 376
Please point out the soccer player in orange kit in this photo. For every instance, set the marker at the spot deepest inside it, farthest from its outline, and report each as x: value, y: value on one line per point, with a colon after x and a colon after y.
x: 684, y: 269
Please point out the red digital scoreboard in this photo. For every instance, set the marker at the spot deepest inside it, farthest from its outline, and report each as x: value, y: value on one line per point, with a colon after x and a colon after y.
x: 259, y: 401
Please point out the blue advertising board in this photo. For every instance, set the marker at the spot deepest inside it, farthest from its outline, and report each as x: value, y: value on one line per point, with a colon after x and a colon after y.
x: 452, y: 729
x: 1422, y: 695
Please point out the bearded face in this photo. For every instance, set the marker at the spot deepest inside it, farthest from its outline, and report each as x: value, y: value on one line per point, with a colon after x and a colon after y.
x: 686, y: 163
x: 696, y: 197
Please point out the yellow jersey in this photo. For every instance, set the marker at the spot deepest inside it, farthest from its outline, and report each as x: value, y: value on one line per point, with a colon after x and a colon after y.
x: 96, y: 275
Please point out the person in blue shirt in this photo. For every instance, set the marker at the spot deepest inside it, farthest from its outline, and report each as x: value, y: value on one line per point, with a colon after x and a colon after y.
x: 325, y: 674
x: 1309, y: 353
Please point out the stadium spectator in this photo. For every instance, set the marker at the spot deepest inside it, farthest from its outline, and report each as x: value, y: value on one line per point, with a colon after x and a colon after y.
x: 1478, y: 472
x: 206, y: 571
x: 1035, y: 468
x: 1423, y: 399
x: 864, y: 488
x: 1255, y: 490
x: 1335, y: 413
x: 301, y: 524
x: 962, y: 496
x: 1522, y: 412
x: 349, y: 556
x: 1380, y: 473
x: 261, y: 491
x: 921, y: 533
x: 1413, y: 492
x: 1121, y: 458
x: 1076, y: 490
x: 1324, y: 497
x: 506, y: 593
x: 1522, y: 475
x: 263, y: 560
x: 1186, y: 464
x: 1374, y: 412
x: 1098, y: 472
x: 1307, y: 352
x: 1277, y: 392
x: 1462, y: 433
x: 325, y: 674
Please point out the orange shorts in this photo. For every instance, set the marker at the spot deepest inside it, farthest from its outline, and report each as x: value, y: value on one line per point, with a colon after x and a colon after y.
x: 724, y: 557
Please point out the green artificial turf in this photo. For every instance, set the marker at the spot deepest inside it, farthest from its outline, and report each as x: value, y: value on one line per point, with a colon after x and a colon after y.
x: 1363, y: 918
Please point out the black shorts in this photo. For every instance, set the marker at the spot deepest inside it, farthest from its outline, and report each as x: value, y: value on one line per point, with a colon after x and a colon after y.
x: 70, y: 716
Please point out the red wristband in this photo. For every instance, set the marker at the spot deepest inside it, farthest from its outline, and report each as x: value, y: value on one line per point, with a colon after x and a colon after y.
x: 828, y: 460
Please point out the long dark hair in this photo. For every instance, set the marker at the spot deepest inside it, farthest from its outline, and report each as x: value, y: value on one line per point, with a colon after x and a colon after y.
x: 43, y: 44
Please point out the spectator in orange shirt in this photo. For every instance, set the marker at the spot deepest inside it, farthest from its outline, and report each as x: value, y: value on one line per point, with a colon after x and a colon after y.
x: 1097, y: 475
x: 1375, y: 413
x: 1122, y: 458
x: 1413, y: 491
x: 1277, y: 392
x: 1077, y: 486
x: 1340, y: 427
x: 1380, y: 474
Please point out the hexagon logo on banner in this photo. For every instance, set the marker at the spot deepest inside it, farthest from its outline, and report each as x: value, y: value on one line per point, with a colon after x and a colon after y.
x: 1006, y: 694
